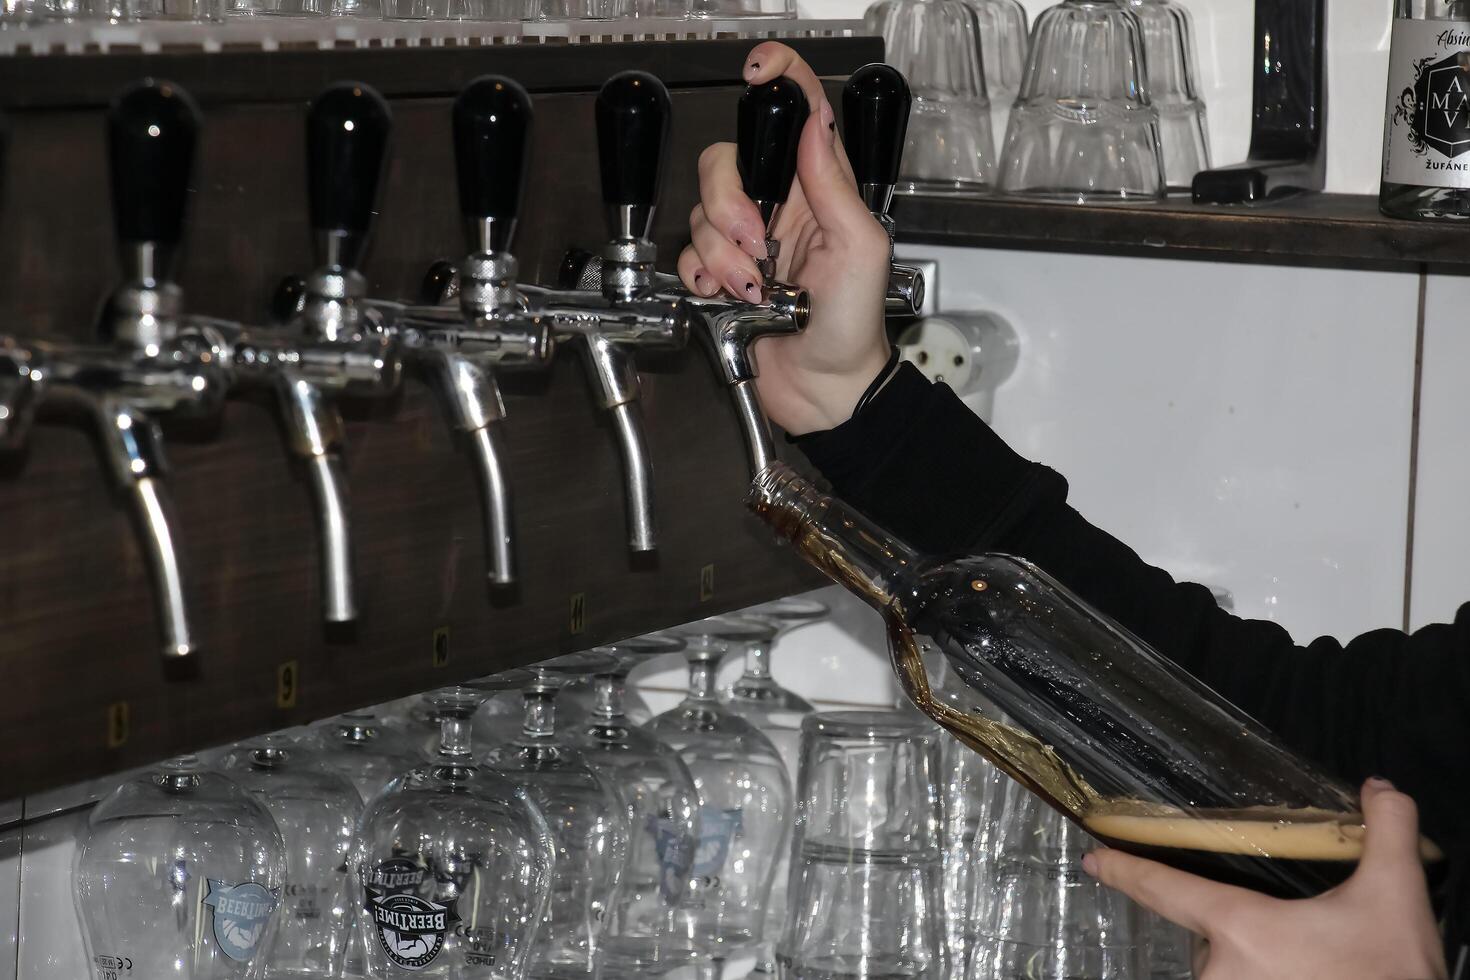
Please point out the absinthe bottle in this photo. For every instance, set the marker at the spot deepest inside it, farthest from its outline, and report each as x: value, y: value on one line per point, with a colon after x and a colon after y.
x: 1426, y: 129
x: 1102, y: 727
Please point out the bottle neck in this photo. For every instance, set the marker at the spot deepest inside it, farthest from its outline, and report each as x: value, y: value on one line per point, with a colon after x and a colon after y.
x: 835, y: 539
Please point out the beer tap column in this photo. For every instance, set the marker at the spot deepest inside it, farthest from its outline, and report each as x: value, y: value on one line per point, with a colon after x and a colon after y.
x: 493, y: 327
x: 346, y: 140
x: 875, y: 114
x: 632, y: 113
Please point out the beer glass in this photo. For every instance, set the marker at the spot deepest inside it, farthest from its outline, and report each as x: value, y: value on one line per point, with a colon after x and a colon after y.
x: 1083, y: 128
x: 1168, y: 44
x: 949, y: 147
x: 454, y: 863
x: 663, y: 816
x: 589, y: 823
x: 315, y: 809
x: 865, y: 895
x: 1003, y: 40
x: 744, y: 798
x: 179, y: 871
x: 1038, y: 915
x: 365, y: 748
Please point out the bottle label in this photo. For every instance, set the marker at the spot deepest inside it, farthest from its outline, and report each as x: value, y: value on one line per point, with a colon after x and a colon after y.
x: 241, y: 913
x: 1426, y: 139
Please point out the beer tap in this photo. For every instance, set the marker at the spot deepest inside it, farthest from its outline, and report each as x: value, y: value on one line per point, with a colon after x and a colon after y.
x: 332, y: 346
x: 492, y: 328
x: 875, y: 113
x: 624, y: 315
x: 147, y: 364
x: 769, y: 122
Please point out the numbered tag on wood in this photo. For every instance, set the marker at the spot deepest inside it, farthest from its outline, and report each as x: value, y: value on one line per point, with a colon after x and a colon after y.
x: 119, y: 724
x: 707, y: 583
x: 440, y: 655
x: 577, y: 618
x: 287, y: 682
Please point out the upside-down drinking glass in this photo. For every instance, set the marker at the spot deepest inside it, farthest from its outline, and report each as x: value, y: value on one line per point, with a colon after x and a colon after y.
x: 179, y: 873
x: 744, y: 798
x: 1004, y: 36
x: 949, y: 148
x: 316, y: 809
x: 455, y: 864
x: 589, y: 823
x: 366, y: 749
x: 1083, y: 128
x: 865, y: 899
x: 663, y: 818
x: 1168, y: 44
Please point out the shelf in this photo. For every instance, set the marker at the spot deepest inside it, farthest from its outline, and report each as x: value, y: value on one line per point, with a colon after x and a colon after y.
x: 1329, y: 229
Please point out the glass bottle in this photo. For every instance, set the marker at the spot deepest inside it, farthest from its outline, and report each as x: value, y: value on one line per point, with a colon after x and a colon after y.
x: 315, y: 808
x: 1104, y: 728
x: 745, y: 803
x: 455, y: 864
x: 179, y: 873
x: 588, y: 820
x: 1426, y: 126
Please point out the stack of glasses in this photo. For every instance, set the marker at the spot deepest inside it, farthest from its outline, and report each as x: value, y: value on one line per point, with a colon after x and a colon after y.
x: 1103, y: 107
x: 554, y: 831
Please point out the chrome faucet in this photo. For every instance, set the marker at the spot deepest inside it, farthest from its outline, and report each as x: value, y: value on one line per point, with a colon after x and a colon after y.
x: 875, y: 116
x: 769, y: 122
x: 460, y: 348
x: 624, y: 314
x: 148, y: 363
x: 332, y: 345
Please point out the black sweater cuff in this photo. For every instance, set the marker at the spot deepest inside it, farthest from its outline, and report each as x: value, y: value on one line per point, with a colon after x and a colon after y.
x: 920, y: 463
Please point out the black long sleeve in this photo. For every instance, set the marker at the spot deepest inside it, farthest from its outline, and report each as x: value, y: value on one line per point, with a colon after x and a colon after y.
x: 922, y: 465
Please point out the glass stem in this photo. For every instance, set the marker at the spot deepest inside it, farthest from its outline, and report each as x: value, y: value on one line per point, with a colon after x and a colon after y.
x: 758, y: 661
x: 538, y: 719
x: 608, y: 692
x: 702, y: 680
x: 454, y: 736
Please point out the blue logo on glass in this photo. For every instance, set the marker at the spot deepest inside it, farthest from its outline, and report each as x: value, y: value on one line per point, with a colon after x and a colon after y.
x: 241, y: 913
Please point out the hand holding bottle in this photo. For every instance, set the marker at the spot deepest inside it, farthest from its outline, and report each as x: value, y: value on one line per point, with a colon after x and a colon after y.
x: 830, y: 245
x: 1377, y: 925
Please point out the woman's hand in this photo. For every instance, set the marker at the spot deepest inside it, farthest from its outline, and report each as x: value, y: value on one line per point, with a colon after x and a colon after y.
x: 1377, y: 925
x: 830, y: 245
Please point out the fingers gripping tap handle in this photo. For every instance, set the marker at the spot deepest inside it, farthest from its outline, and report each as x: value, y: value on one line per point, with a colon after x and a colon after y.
x: 875, y: 114
x: 152, y: 128
x: 492, y: 130
x: 632, y: 112
x: 346, y: 141
x: 768, y: 127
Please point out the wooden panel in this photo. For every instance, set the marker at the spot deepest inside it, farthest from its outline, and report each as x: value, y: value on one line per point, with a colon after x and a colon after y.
x: 1331, y: 229
x: 78, y: 631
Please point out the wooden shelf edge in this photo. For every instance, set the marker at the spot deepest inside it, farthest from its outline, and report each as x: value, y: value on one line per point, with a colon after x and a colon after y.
x: 1332, y: 229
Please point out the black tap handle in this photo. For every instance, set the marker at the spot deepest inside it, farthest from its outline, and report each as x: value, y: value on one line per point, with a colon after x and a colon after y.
x: 768, y: 130
x: 492, y: 134
x: 633, y: 112
x: 346, y: 141
x: 151, y: 131
x: 875, y: 116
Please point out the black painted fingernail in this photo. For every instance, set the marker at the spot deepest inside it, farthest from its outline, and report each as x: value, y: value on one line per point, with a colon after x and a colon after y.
x: 756, y: 65
x: 832, y: 126
x: 749, y: 286
x: 697, y: 277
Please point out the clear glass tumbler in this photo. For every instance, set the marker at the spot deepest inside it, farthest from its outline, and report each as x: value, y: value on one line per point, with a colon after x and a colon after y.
x: 950, y: 148
x: 455, y: 863
x: 1039, y: 915
x: 1004, y: 38
x: 865, y: 899
x: 736, y: 9
x: 179, y: 873
x: 1168, y: 44
x: 589, y: 823
x: 316, y: 809
x: 1083, y: 128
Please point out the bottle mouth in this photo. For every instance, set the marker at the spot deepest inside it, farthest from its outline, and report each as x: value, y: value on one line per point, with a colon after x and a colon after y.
x: 784, y: 499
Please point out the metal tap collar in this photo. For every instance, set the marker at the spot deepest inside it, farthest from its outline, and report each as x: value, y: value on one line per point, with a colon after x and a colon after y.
x: 627, y: 268
x: 878, y: 198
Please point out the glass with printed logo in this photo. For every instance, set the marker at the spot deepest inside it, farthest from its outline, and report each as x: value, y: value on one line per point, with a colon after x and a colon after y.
x: 663, y: 820
x: 315, y: 808
x: 744, y: 798
x: 179, y: 872
x: 589, y: 822
x: 454, y: 864
x: 365, y: 748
